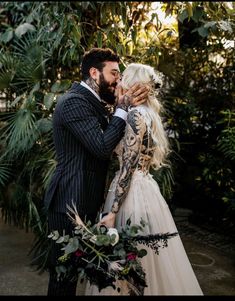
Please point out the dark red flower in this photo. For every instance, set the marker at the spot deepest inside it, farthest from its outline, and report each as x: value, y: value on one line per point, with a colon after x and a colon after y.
x: 131, y: 256
x: 79, y: 253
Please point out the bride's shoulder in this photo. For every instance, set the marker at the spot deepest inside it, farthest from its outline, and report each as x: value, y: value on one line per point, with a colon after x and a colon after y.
x: 141, y: 109
x: 144, y: 112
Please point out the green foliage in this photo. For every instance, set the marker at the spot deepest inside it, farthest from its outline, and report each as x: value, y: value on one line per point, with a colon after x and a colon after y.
x: 106, y: 252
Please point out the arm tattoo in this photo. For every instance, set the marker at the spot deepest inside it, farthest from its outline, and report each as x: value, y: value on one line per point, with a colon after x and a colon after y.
x: 132, y: 144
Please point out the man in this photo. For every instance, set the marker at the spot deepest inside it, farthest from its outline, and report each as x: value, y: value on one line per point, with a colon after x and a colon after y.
x: 84, y: 140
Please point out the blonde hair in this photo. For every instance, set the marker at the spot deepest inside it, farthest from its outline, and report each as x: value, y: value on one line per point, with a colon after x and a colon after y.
x: 140, y: 73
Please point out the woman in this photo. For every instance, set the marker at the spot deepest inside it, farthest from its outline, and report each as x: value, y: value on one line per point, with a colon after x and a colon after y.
x: 135, y: 194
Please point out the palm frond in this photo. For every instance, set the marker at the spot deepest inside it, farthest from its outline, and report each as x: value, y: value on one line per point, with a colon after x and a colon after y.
x: 165, y: 179
x: 226, y: 143
x: 49, y: 172
x: 40, y: 248
x: 5, y: 173
x: 21, y: 131
x: 8, y: 66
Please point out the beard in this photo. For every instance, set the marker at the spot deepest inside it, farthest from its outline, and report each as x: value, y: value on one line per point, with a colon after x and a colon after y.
x: 105, y: 92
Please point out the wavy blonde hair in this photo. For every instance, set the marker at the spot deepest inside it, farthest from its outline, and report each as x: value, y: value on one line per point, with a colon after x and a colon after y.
x: 140, y: 73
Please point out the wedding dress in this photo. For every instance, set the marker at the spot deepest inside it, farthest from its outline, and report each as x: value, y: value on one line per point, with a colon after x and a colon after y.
x: 169, y: 272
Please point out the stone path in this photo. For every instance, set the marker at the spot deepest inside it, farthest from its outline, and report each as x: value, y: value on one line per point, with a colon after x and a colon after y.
x: 214, y: 268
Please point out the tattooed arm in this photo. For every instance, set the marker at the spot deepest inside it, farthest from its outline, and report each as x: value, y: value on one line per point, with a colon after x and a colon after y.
x: 132, y: 143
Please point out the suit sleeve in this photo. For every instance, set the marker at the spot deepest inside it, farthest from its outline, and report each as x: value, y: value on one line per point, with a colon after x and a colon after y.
x: 132, y: 144
x: 80, y: 118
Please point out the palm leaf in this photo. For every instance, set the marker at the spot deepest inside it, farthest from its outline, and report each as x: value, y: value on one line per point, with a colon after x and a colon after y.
x: 52, y: 165
x: 226, y: 143
x: 8, y: 66
x: 5, y: 173
x: 21, y: 131
x: 164, y: 177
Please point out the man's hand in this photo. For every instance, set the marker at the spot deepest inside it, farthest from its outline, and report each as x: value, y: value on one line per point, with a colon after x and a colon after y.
x: 135, y: 96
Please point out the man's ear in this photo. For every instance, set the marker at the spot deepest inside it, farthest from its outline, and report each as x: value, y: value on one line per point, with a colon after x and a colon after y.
x: 94, y: 73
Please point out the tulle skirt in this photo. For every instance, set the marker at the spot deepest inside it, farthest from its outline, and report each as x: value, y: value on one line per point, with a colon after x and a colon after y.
x: 170, y: 271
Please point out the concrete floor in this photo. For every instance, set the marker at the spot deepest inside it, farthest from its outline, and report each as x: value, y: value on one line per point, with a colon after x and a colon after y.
x: 215, y: 269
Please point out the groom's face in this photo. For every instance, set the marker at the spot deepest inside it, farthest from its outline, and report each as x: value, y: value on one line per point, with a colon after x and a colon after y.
x: 108, y: 80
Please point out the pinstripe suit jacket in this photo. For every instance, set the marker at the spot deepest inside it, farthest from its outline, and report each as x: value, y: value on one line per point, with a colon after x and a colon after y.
x: 84, y: 141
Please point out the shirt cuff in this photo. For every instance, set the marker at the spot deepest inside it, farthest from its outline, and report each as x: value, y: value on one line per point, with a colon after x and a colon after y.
x: 121, y: 113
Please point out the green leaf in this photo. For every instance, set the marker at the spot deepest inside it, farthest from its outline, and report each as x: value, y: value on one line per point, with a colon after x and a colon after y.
x: 61, y: 269
x: 50, y: 235
x: 60, y: 240
x: 48, y: 100
x: 5, y: 173
x: 6, y: 36
x: 55, y: 235
x: 44, y: 125
x: 102, y: 240
x: 210, y: 24
x: 182, y: 16
x: 61, y: 86
x: 142, y: 253
x: 99, y: 39
x: 21, y: 131
x: 134, y: 35
x: 72, y: 246
x: 134, y: 229
x: 225, y: 26
x: 120, y: 252
x: 197, y: 14
x: 203, y: 32
x: 8, y: 66
x: 23, y: 28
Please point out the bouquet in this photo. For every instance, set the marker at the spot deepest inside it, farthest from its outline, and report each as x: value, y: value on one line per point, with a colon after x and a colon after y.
x: 103, y: 255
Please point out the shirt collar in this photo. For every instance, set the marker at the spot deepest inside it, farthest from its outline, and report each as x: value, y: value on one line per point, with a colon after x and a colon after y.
x: 92, y: 91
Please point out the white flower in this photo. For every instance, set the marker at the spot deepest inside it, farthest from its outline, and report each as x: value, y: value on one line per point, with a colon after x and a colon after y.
x: 113, y: 231
x: 115, y: 265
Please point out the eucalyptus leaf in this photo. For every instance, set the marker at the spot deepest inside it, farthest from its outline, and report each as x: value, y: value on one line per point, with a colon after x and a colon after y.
x: 72, y: 246
x: 60, y: 240
x: 61, y: 269
x: 56, y: 235
x: 102, y: 240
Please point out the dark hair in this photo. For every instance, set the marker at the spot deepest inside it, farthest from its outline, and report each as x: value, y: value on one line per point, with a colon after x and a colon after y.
x: 96, y: 58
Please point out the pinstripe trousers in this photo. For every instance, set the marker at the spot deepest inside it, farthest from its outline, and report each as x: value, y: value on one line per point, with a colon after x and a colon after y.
x: 66, y: 287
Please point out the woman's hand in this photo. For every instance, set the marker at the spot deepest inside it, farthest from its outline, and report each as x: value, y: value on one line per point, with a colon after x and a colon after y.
x: 108, y: 220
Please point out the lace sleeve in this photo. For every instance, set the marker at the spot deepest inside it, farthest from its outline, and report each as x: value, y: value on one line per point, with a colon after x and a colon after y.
x: 132, y: 143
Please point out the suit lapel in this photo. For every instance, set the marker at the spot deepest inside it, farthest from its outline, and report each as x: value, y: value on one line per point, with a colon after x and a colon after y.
x: 100, y: 108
